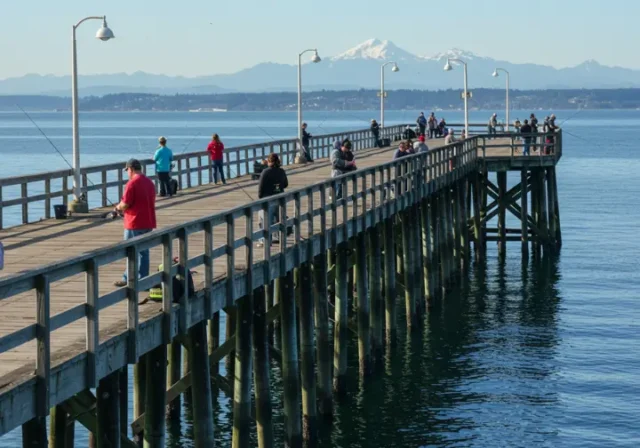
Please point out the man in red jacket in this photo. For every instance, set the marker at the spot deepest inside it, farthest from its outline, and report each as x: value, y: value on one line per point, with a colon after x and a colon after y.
x: 138, y: 205
x: 216, y: 152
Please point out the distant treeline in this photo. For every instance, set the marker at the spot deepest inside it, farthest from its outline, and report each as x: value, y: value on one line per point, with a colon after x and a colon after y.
x: 484, y: 99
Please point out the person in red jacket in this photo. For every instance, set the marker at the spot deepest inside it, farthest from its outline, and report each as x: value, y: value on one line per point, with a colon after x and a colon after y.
x: 216, y: 151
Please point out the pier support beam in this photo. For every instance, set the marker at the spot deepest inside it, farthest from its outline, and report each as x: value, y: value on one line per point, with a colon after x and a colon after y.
x: 108, y: 412
x: 307, y: 352
x: 341, y: 328
x: 502, y: 212
x: 34, y: 433
x: 156, y: 398
x: 200, y: 387
x: 321, y: 310
x: 478, y: 211
x: 139, y: 392
x: 243, y: 372
x: 364, y: 317
x: 213, y: 342
x: 261, y: 372
x: 290, y: 365
x: 408, y: 268
x: 174, y: 355
x: 426, y: 252
x: 524, y: 213
x: 389, y: 281
x: 58, y: 435
x: 374, y: 259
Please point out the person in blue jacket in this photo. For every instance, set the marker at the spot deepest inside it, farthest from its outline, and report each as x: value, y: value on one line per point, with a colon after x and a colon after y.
x: 163, y: 158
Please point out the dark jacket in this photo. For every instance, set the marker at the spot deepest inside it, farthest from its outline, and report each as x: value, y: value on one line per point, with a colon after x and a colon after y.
x: 272, y: 181
x: 526, y: 130
x: 409, y: 134
x: 398, y: 154
x: 422, y: 121
x: 306, y: 138
x: 534, y: 124
x: 375, y: 128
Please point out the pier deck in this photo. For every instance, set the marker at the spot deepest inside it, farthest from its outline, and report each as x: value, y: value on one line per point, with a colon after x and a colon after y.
x: 34, y: 245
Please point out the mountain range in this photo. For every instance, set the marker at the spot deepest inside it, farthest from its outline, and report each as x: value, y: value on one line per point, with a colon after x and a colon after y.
x: 358, y: 67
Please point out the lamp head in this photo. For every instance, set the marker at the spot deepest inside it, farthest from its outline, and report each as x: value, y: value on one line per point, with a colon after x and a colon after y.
x: 105, y: 32
x: 395, y: 68
x: 495, y: 73
x: 316, y: 57
x: 447, y: 66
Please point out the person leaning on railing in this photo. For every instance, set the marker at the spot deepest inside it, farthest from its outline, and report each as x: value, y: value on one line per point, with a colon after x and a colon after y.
x: 138, y: 205
x: 340, y: 164
x: 273, y: 181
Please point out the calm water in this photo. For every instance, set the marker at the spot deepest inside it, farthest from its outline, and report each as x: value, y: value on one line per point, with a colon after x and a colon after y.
x: 517, y: 356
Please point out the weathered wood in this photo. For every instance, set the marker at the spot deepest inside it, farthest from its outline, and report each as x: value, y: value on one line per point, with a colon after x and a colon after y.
x: 139, y: 392
x: 58, y: 423
x: 290, y: 366
x: 363, y: 310
x: 307, y: 354
x: 156, y: 398
x: 230, y: 330
x: 558, y: 235
x: 425, y: 250
x: 436, y: 260
x: 374, y: 260
x: 174, y: 354
x: 213, y: 333
x: 340, y: 332
x: 409, y: 271
x: 261, y: 371
x: 201, y: 387
x: 502, y: 206
x: 243, y: 372
x: 34, y: 433
x: 551, y: 211
x: 108, y: 412
x: 524, y: 215
x: 389, y: 281
x: 123, y: 394
x: 321, y: 317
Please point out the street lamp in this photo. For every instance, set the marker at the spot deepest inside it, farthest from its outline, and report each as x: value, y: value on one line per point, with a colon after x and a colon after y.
x: 393, y: 69
x: 495, y: 75
x: 315, y: 59
x: 447, y: 68
x: 104, y: 34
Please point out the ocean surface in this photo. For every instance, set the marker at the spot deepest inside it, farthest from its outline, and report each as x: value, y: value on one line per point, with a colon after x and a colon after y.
x: 518, y: 355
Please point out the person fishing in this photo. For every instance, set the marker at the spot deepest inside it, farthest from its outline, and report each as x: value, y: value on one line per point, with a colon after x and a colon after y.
x: 138, y: 205
x: 306, y: 142
x: 341, y: 165
x: 375, y: 131
x: 422, y: 123
x: 216, y: 152
x: 273, y: 181
x: 163, y: 158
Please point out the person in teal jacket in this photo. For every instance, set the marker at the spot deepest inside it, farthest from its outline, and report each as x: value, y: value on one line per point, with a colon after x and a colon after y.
x: 163, y: 158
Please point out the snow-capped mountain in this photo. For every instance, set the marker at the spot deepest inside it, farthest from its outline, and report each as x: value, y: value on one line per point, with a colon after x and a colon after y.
x: 358, y: 67
x: 377, y: 49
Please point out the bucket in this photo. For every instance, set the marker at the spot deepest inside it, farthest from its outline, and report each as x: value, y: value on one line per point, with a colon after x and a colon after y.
x: 60, y: 211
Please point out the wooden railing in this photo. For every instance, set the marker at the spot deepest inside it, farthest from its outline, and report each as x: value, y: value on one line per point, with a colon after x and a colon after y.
x: 538, y: 145
x: 319, y: 220
x: 191, y: 169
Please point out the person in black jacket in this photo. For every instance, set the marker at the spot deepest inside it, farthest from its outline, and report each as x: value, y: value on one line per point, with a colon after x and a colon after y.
x: 375, y: 130
x: 409, y: 133
x: 273, y: 181
x: 306, y: 142
x: 525, y: 130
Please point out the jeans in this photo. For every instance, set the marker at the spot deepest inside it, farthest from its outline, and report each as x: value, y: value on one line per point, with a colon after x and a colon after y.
x: 218, y: 168
x: 307, y: 153
x: 432, y: 132
x: 525, y: 146
x: 143, y: 260
x: 377, y: 141
x: 274, y: 219
x: 422, y: 128
x: 163, y: 180
x: 491, y: 130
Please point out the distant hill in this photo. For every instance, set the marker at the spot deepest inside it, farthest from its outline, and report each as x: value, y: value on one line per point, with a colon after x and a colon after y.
x: 358, y: 67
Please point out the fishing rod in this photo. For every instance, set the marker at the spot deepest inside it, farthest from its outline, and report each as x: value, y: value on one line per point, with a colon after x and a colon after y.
x: 104, y: 193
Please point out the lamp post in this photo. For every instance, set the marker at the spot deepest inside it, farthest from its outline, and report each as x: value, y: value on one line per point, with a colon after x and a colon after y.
x: 495, y: 75
x: 393, y: 69
x: 448, y: 68
x: 315, y: 59
x: 104, y: 34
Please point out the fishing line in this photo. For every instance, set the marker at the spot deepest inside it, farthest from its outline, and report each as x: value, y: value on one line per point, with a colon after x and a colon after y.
x: 573, y: 115
x: 60, y: 153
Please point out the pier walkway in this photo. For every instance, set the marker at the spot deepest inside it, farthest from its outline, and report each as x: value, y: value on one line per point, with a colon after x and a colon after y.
x: 63, y: 327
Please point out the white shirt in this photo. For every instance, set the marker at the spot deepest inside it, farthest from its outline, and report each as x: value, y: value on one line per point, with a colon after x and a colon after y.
x: 449, y: 139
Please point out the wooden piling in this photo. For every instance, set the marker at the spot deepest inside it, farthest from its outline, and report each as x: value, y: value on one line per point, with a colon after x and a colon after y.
x: 551, y: 210
x: 535, y: 213
x: 261, y: 371
x: 200, y: 387
x: 436, y: 260
x: 108, y: 412
x: 374, y: 260
x: 524, y: 212
x: 558, y: 235
x: 456, y: 227
x: 425, y: 250
x: 544, y: 226
x: 416, y: 251
x: 321, y: 315
x: 230, y: 330
x: 156, y: 398
x: 407, y: 259
x: 364, y: 310
x: 213, y: 342
x: 389, y: 281
x: 502, y: 212
x: 269, y: 290
x: 307, y: 355
x: 243, y: 372
x: 290, y: 365
x: 341, y: 328
x: 174, y: 353
x: 34, y: 433
x: 139, y: 392
x: 443, y: 238
x: 59, y: 419
x: 477, y: 216
x: 123, y: 394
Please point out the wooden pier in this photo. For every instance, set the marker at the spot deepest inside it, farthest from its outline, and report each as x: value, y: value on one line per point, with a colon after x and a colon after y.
x: 401, y: 226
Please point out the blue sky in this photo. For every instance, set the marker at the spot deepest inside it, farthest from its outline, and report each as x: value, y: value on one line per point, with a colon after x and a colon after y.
x: 176, y: 37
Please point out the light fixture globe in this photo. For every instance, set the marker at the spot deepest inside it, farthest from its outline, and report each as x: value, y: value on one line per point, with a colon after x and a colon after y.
x: 448, y: 67
x: 105, y: 33
x: 315, y: 58
x: 495, y: 73
x: 395, y: 68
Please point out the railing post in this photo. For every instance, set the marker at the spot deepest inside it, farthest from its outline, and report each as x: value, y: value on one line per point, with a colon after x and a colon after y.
x: 93, y: 326
x: 132, y: 297
x: 24, y: 195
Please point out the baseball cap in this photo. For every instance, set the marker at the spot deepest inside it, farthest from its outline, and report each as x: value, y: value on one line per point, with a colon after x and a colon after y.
x: 421, y: 138
x: 133, y: 163
x: 162, y: 140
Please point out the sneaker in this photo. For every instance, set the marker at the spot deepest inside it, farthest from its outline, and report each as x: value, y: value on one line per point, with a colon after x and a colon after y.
x: 120, y: 283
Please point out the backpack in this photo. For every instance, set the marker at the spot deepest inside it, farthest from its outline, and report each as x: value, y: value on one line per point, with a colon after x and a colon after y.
x: 155, y: 293
x: 173, y: 186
